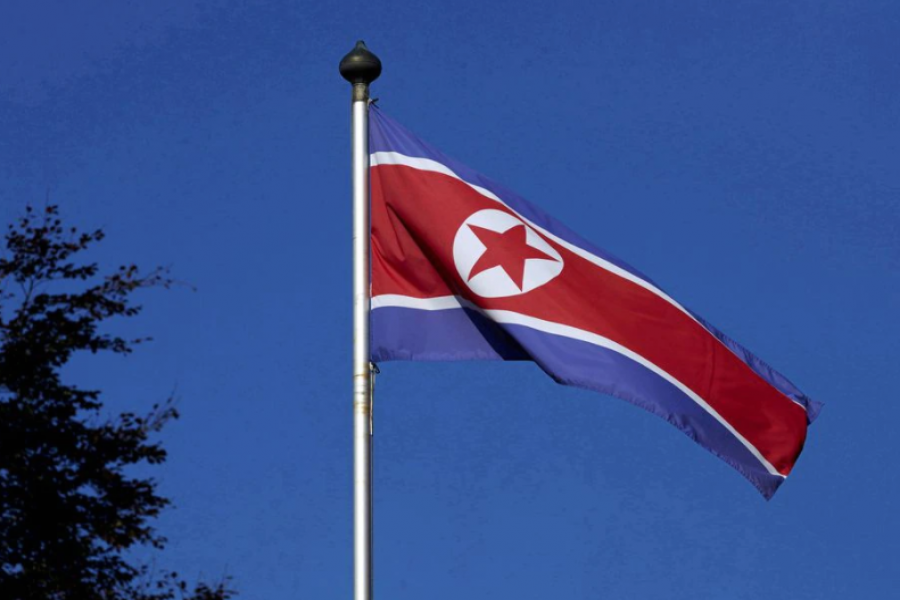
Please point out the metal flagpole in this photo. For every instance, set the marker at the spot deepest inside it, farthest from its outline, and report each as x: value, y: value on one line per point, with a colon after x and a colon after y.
x: 360, y: 67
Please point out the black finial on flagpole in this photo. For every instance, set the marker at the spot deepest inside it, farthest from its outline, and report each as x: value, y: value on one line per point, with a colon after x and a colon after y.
x: 360, y: 65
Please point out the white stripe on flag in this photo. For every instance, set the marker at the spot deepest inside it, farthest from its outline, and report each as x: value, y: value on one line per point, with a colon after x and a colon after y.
x: 426, y: 164
x: 514, y: 318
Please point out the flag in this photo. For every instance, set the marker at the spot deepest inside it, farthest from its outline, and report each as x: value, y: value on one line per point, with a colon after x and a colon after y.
x: 463, y: 268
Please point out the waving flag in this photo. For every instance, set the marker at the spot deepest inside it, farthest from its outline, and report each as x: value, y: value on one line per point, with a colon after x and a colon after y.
x: 463, y: 269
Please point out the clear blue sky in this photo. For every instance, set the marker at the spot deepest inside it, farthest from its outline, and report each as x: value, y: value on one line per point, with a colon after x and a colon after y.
x: 743, y: 154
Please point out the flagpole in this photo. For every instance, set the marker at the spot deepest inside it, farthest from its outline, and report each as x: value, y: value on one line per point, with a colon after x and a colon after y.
x: 360, y: 67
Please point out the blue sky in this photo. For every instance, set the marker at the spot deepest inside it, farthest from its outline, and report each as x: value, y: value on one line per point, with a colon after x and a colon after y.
x: 743, y: 154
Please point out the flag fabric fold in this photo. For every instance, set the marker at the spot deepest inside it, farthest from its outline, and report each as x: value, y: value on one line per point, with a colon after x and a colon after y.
x: 463, y: 269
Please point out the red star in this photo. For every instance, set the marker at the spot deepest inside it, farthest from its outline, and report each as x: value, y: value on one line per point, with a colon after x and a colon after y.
x: 508, y: 250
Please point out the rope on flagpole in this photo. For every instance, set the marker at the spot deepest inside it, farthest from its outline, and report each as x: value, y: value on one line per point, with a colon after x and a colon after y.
x: 373, y: 371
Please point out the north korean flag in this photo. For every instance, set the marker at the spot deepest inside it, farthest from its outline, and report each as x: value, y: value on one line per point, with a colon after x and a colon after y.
x: 463, y: 269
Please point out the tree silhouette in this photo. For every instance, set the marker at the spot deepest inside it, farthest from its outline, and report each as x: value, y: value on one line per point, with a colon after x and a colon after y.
x: 69, y: 509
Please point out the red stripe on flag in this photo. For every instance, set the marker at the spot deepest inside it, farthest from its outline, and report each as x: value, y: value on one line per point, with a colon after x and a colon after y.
x: 415, y: 217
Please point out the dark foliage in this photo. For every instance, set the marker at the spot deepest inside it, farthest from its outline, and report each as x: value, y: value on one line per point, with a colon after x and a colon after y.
x: 68, y: 507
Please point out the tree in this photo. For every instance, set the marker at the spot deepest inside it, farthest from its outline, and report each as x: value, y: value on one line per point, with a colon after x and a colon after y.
x: 69, y: 509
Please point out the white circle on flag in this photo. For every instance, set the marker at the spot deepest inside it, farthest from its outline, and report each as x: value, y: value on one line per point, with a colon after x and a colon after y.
x: 510, y: 248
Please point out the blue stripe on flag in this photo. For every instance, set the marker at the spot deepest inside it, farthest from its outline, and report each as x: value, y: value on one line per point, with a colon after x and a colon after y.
x: 462, y: 334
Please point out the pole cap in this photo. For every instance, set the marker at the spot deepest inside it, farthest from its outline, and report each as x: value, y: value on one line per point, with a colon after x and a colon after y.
x: 360, y: 65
